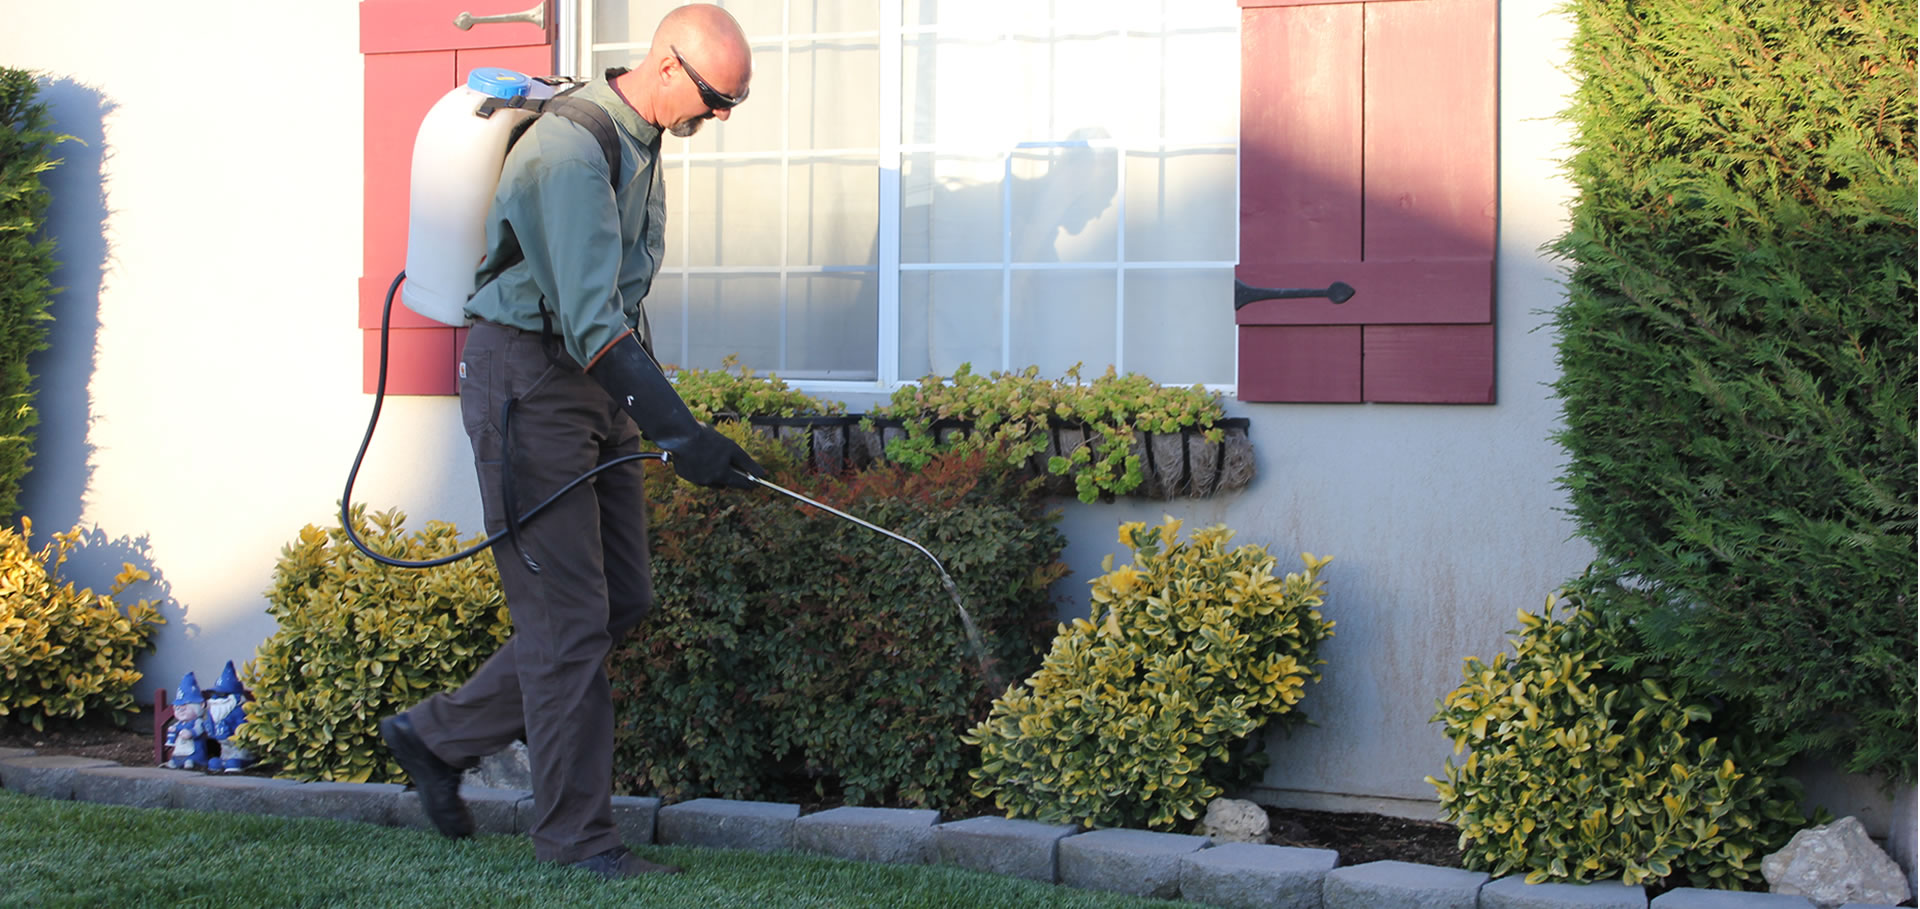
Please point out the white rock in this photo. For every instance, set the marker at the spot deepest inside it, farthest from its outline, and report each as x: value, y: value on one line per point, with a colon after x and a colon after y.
x: 1235, y: 821
x: 1835, y: 864
x: 503, y: 769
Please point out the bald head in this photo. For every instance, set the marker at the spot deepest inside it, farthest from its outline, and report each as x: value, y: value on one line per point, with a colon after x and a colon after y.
x: 694, y: 44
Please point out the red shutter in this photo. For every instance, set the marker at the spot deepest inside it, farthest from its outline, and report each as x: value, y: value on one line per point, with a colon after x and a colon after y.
x: 1367, y: 150
x: 413, y: 54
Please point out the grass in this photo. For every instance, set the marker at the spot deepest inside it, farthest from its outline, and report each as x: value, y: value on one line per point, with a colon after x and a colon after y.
x: 79, y: 854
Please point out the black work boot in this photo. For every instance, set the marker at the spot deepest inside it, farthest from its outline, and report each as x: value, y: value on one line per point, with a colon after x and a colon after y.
x: 618, y: 862
x: 437, y: 781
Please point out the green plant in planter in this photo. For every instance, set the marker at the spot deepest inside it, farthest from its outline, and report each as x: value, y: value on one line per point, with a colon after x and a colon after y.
x: 1143, y: 716
x: 1010, y: 414
x: 736, y: 391
x: 1586, y: 765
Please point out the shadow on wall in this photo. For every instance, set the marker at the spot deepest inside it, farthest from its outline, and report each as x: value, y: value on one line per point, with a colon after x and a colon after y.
x: 54, y: 491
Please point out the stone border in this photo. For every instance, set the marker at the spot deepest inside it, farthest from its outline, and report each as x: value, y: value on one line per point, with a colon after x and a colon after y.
x: 1167, y: 865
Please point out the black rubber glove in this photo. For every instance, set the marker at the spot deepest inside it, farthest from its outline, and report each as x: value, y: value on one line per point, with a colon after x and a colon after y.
x: 697, y: 451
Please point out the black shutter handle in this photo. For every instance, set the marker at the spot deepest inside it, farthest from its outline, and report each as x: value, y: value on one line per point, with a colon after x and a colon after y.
x: 1338, y: 292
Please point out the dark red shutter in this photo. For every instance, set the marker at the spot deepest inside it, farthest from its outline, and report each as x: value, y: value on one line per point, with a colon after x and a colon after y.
x: 1368, y: 155
x: 413, y: 55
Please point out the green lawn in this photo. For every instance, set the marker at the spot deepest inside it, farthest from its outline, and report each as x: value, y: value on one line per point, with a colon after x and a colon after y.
x: 77, y: 854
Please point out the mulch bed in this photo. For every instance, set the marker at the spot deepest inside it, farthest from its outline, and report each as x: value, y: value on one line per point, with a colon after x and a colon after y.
x: 1358, y: 837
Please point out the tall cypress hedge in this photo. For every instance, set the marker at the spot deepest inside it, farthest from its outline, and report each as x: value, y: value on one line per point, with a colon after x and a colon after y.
x: 1737, y: 351
x: 26, y: 262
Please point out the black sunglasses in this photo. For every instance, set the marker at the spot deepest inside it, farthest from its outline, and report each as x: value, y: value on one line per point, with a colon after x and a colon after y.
x: 708, y: 96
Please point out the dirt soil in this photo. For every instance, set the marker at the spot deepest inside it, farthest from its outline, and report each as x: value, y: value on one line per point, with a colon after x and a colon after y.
x: 1357, y: 837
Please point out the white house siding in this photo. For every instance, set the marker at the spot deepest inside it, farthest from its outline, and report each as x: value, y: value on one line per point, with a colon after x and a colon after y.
x: 202, y: 398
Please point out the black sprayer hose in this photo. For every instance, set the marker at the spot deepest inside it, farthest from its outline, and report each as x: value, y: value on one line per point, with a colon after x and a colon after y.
x: 379, y: 397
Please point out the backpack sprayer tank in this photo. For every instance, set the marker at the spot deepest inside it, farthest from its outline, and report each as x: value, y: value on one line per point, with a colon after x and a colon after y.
x: 456, y: 165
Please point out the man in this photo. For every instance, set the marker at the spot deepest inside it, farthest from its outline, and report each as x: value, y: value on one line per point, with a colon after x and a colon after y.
x: 553, y: 369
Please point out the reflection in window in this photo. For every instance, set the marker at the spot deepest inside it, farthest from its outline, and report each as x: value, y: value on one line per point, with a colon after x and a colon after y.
x: 921, y: 184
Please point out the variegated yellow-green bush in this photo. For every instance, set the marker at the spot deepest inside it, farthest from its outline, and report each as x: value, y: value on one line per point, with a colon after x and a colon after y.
x: 359, y: 641
x: 65, y: 651
x: 1142, y: 718
x: 1583, y: 770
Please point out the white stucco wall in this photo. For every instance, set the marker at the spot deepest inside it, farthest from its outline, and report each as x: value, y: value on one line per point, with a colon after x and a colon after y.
x: 202, y: 398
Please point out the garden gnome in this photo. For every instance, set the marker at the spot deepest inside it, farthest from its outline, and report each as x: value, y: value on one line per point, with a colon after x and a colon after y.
x: 187, y: 736
x: 226, y: 711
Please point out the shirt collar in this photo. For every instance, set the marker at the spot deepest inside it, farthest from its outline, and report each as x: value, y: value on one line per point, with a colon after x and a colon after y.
x: 602, y: 92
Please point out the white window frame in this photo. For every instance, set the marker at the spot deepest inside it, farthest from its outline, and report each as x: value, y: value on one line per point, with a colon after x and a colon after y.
x: 575, y: 49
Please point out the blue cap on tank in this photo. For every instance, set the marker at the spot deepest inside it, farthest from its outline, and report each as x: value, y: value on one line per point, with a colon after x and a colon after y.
x: 498, y: 82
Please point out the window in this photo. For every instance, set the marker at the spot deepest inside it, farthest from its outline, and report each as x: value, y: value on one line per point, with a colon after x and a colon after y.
x: 919, y: 184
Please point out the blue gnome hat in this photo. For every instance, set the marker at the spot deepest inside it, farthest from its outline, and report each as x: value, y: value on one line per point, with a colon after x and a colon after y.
x: 229, y: 682
x: 189, y: 692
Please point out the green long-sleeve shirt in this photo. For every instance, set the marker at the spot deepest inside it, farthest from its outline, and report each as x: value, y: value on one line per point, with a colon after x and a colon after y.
x: 587, y: 249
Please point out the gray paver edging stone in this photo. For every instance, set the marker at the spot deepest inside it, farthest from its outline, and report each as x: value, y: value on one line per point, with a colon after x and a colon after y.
x: 1515, y: 893
x: 230, y: 794
x: 895, y: 836
x: 15, y: 752
x: 1250, y: 875
x: 135, y: 787
x: 1140, y: 862
x: 364, y: 803
x: 1697, y: 898
x: 1401, y: 885
x: 636, y: 817
x: 47, y: 776
x: 728, y: 824
x: 998, y: 845
x: 507, y: 811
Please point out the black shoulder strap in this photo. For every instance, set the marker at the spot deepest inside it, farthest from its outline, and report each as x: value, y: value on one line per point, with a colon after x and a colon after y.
x: 595, y: 119
x: 591, y: 116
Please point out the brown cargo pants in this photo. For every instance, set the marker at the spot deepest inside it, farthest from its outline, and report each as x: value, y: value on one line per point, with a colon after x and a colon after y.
x: 548, y: 685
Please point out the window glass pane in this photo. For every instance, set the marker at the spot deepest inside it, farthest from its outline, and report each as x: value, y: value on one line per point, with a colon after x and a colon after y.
x: 957, y: 91
x: 832, y: 323
x: 727, y: 212
x: 948, y: 318
x: 950, y: 208
x: 1181, y: 205
x: 833, y: 210
x: 1179, y: 327
x: 1199, y: 99
x: 628, y: 21
x: 834, y: 16
x: 1067, y: 81
x: 667, y: 318
x: 1062, y: 317
x: 835, y: 90
x: 758, y: 18
x: 733, y: 314
x: 1063, y: 207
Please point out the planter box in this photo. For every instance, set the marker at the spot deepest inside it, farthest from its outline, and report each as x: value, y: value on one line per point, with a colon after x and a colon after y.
x: 1173, y: 465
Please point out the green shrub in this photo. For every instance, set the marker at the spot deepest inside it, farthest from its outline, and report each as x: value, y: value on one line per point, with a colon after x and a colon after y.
x: 1143, y: 718
x: 1008, y: 415
x: 26, y: 264
x: 63, y: 651
x: 794, y: 656
x: 1738, y: 351
x: 711, y: 393
x: 1583, y: 770
x: 358, y: 641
